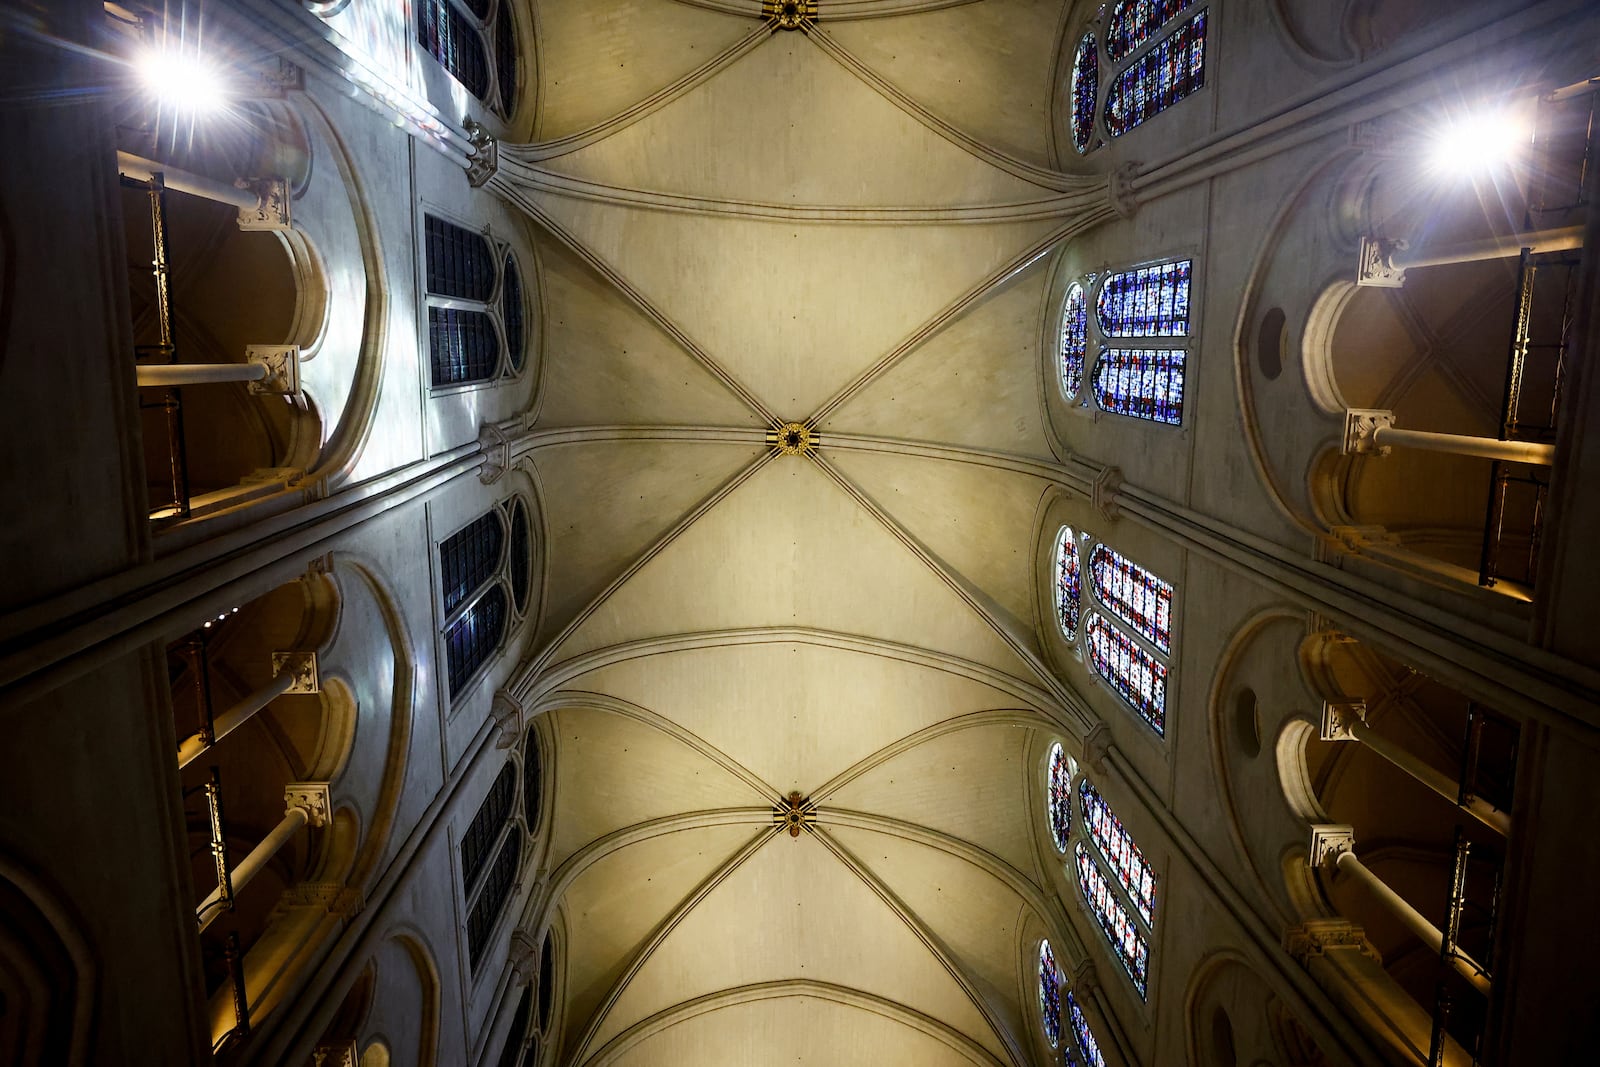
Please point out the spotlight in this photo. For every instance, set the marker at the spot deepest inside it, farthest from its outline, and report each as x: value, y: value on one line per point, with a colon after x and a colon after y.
x: 185, y: 82
x: 1478, y: 143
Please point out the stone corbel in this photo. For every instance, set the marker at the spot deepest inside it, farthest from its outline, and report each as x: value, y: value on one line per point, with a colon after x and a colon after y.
x: 1084, y: 977
x: 303, y: 665
x: 1096, y: 746
x: 1103, y: 494
x: 1361, y: 426
x: 313, y: 798
x: 283, y: 369
x: 1375, y: 265
x: 523, y: 956
x: 485, y: 159
x: 496, y: 448
x: 1315, y: 937
x: 509, y: 719
x: 1339, y: 716
x: 272, y: 204
x: 1119, y: 190
x: 1328, y: 841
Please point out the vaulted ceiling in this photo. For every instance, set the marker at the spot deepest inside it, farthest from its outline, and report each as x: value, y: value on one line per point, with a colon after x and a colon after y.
x: 846, y: 227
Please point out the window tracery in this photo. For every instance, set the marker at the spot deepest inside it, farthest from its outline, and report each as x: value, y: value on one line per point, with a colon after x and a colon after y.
x: 1116, y: 847
x: 1134, y: 595
x: 1088, y: 1047
x: 1133, y: 22
x: 462, y: 35
x: 1143, y: 72
x: 1164, y: 75
x: 483, y: 586
x: 476, y: 306
x: 1115, y: 919
x: 1150, y: 304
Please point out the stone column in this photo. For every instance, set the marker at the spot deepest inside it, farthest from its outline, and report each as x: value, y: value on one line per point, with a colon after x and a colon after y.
x: 1384, y: 261
x: 295, y: 672
x: 308, y: 804
x: 273, y: 369
x: 1371, y: 431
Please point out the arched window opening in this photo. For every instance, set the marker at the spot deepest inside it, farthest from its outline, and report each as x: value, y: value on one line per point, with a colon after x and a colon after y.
x: 1059, y: 801
x: 1162, y: 76
x: 1115, y: 846
x: 488, y: 882
x: 1136, y: 675
x: 1133, y: 22
x: 1115, y: 918
x: 1049, y: 994
x: 547, y: 978
x: 477, y: 306
x: 1074, y: 341
x: 532, y: 783
x: 1151, y: 301
x: 485, y: 577
x: 1134, y: 595
x: 1141, y: 383
x: 517, y: 1037
x: 1150, y: 304
x: 1068, y: 583
x: 462, y: 35
x: 1088, y: 1047
x: 1085, y: 92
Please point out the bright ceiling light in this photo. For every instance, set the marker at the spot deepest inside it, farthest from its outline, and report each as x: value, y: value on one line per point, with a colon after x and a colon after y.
x: 184, y: 82
x: 1478, y: 143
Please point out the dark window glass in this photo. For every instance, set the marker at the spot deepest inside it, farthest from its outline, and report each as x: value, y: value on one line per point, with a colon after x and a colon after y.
x: 486, y: 826
x: 547, y: 978
x: 519, y: 1030
x: 460, y: 262
x: 468, y: 558
x: 475, y: 636
x: 505, y: 58
x: 492, y: 899
x: 521, y: 563
x: 511, y: 312
x: 452, y: 40
x: 462, y: 346
x: 531, y: 783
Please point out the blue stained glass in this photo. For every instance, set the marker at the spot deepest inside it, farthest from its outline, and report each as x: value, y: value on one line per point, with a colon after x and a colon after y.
x: 474, y: 637
x: 1158, y: 79
x: 460, y: 263
x: 1087, y: 1045
x: 1115, y: 921
x: 1060, y: 796
x: 1136, y: 675
x: 492, y: 899
x: 1049, y: 994
x: 462, y: 346
x: 1134, y: 22
x: 511, y: 310
x: 1141, y: 383
x: 1085, y: 92
x: 1069, y: 583
x: 452, y: 40
x: 1074, y: 340
x: 1116, y: 845
x: 1134, y: 595
x: 1151, y: 301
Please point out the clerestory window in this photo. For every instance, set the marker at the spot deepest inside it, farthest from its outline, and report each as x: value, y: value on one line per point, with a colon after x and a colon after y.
x: 477, y: 306
x: 476, y: 42
x: 485, y: 577
x: 1138, y: 335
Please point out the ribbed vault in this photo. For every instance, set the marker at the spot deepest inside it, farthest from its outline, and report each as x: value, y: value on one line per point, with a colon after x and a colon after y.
x: 723, y: 625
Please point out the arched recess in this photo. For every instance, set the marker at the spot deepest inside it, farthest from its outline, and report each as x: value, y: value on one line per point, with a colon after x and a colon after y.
x: 1234, y: 1019
x: 46, y: 976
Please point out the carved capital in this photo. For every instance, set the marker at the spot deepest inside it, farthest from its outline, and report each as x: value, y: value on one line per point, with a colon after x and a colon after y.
x: 1339, y: 716
x: 1103, y: 494
x: 1375, y: 265
x: 313, y: 798
x: 485, y: 159
x: 1328, y: 841
x: 303, y: 665
x: 272, y: 204
x: 1119, y: 189
x: 789, y: 14
x: 1314, y: 938
x: 496, y: 448
x: 1361, y: 426
x: 283, y: 369
x: 342, y: 1054
x: 340, y: 901
x: 1096, y: 746
x: 509, y: 718
x: 523, y: 956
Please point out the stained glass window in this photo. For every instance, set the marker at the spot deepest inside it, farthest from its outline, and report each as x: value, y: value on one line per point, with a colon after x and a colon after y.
x: 511, y: 1052
x: 1115, y: 921
x: 473, y: 638
x: 1088, y: 1047
x: 492, y: 897
x: 462, y: 346
x: 468, y: 558
x: 1085, y: 91
x: 1074, y: 340
x: 1069, y: 583
x: 532, y: 783
x: 1141, y: 383
x: 505, y: 57
x: 1158, y: 79
x: 520, y: 563
x: 486, y: 825
x: 511, y: 312
x: 1150, y: 301
x: 1060, y: 800
x: 1134, y: 22
x: 452, y: 40
x: 1136, y: 675
x: 1134, y: 595
x: 547, y: 984
x: 1117, y: 847
x: 1049, y: 994
x: 460, y: 262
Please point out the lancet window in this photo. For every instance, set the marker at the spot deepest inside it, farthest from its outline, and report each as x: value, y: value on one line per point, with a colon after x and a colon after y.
x: 1162, y: 76
x: 1149, y: 59
x: 477, y: 307
x: 1149, y: 304
x: 490, y: 851
x: 1060, y: 796
x: 1049, y: 994
x: 1088, y: 1047
x: 1118, y: 886
x: 1121, y: 593
x: 1085, y: 92
x: 484, y: 586
x: 463, y: 35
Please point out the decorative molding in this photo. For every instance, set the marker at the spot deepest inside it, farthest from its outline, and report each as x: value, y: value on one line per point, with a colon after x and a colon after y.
x: 509, y: 717
x: 340, y: 901
x: 313, y: 798
x: 789, y: 14
x: 496, y: 448
x: 1361, y: 426
x: 1120, y: 192
x: 1355, y: 538
x: 283, y: 369
x: 280, y: 77
x: 1375, y: 265
x: 1328, y: 841
x: 303, y: 665
x: 1107, y: 484
x: 343, y: 1054
x: 1338, y: 717
x: 1084, y: 978
x: 1096, y: 746
x: 484, y: 162
x: 523, y: 956
x: 1314, y: 938
x: 795, y: 813
x: 272, y: 204
x: 793, y: 439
